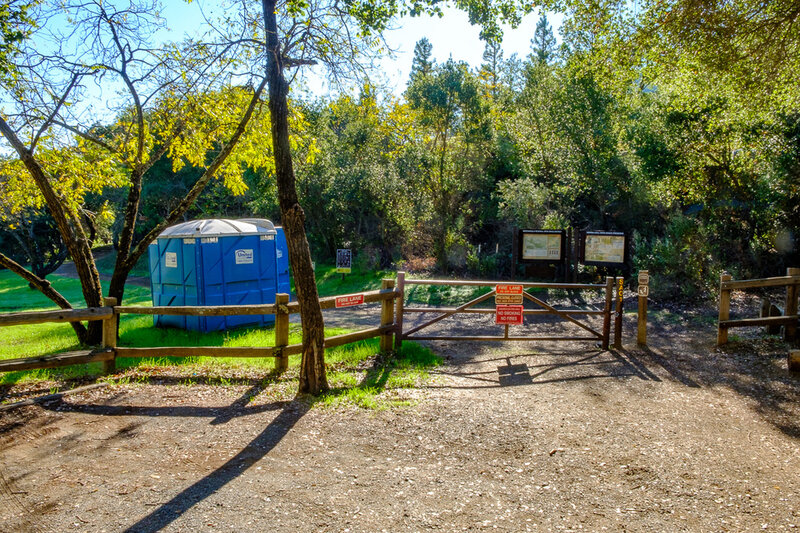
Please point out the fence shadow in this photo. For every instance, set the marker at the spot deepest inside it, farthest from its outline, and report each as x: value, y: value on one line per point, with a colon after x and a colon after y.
x: 538, y: 368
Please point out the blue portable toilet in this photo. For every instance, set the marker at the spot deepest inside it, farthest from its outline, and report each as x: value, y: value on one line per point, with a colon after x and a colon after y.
x: 215, y: 262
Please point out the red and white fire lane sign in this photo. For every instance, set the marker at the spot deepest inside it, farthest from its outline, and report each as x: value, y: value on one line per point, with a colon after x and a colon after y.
x: 508, y: 295
x: 508, y: 314
x: 349, y: 300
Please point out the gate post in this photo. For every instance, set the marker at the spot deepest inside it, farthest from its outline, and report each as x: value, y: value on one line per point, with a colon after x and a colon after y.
x: 790, y: 330
x: 110, y: 326
x: 618, y: 316
x: 724, y: 308
x: 607, y: 311
x: 398, y: 321
x: 387, y: 316
x: 641, y: 321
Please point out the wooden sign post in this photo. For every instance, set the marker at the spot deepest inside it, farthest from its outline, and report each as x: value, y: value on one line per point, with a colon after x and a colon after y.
x: 618, y: 315
x: 644, y: 292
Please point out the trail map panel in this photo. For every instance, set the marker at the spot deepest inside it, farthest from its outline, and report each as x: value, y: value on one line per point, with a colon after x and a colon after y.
x: 604, y: 248
x: 541, y: 245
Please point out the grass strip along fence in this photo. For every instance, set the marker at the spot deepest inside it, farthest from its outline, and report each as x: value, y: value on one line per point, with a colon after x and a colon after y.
x: 788, y: 318
x: 282, y: 308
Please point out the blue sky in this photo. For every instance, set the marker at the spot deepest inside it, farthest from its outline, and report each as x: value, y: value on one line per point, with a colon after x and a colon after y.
x: 451, y: 36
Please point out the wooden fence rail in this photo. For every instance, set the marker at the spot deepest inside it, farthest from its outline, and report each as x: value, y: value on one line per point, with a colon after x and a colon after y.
x: 789, y: 320
x: 282, y: 308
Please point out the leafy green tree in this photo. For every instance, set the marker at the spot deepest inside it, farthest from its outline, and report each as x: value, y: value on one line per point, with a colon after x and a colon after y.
x: 352, y: 183
x: 37, y: 237
x: 491, y: 70
x: 164, y: 108
x: 533, y: 126
x: 450, y: 106
x: 16, y: 25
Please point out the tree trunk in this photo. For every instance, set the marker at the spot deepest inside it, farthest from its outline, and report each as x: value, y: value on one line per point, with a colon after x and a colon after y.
x: 69, y: 227
x: 312, y: 366
x: 45, y: 288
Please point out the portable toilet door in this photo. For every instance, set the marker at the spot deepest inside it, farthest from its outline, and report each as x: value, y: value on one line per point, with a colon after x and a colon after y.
x: 267, y: 261
x: 173, y: 279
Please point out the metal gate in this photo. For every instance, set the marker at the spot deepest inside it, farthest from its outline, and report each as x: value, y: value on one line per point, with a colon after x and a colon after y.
x: 588, y: 333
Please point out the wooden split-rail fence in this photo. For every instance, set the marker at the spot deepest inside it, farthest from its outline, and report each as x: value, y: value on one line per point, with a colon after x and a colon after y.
x: 390, y: 329
x: 788, y: 317
x: 110, y: 313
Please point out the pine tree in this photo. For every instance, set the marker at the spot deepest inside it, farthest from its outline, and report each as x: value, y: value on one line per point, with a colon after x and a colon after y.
x: 422, y: 63
x: 493, y: 64
x: 543, y: 44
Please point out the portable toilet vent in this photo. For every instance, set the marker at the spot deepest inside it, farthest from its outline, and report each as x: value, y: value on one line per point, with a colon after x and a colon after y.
x: 217, y: 262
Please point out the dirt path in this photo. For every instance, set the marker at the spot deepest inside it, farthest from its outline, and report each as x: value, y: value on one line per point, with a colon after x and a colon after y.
x: 68, y: 269
x: 512, y: 437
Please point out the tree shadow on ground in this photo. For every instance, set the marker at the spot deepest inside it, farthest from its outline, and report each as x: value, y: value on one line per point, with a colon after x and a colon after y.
x: 257, y: 449
x: 754, y: 367
x: 290, y: 413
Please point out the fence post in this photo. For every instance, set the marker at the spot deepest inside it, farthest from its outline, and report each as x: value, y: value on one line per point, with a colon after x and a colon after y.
x: 110, y: 335
x: 607, y: 311
x: 387, y: 317
x: 398, y: 321
x: 724, y: 308
x: 281, y: 332
x: 790, y: 330
x: 641, y: 320
x: 618, y: 316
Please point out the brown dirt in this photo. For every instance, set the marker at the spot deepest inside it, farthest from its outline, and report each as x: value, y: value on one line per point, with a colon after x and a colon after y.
x: 511, y: 437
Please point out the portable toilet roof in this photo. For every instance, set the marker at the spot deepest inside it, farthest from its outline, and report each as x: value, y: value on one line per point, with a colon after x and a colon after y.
x: 218, y: 227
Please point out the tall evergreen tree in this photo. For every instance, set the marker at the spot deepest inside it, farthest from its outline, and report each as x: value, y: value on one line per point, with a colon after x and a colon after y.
x: 422, y: 64
x: 492, y: 66
x: 543, y: 44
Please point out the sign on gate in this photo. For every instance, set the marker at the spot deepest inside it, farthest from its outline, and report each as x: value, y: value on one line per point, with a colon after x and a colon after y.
x: 508, y: 314
x: 508, y: 289
x: 508, y: 295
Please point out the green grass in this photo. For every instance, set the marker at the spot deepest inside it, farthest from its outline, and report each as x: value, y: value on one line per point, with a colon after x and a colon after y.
x: 105, y: 263
x: 443, y: 295
x: 15, y: 295
x: 372, y: 387
x: 357, y: 376
x: 331, y: 283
